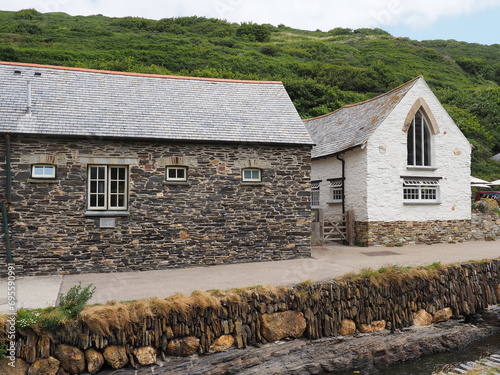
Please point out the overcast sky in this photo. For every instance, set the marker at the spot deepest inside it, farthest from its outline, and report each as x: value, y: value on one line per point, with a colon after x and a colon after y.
x: 476, y: 21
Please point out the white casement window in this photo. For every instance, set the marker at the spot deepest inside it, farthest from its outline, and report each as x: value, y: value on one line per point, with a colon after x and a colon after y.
x: 421, y: 190
x: 176, y: 174
x: 336, y: 191
x: 315, y: 194
x: 43, y: 171
x: 419, y: 142
x: 251, y: 175
x: 107, y: 187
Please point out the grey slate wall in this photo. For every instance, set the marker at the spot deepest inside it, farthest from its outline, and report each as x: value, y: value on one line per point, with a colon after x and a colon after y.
x: 214, y: 218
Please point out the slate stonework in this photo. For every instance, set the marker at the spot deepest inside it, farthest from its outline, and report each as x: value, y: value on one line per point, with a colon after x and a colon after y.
x: 405, y: 232
x: 214, y: 218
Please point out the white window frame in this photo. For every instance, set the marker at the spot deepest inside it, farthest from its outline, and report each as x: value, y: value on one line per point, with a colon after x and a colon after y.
x: 336, y: 190
x: 107, y: 187
x: 45, y: 168
x: 419, y: 146
x: 315, y: 193
x: 416, y: 190
x: 255, y: 175
x: 176, y: 169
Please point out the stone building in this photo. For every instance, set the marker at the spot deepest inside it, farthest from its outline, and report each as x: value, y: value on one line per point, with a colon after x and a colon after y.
x: 399, y: 163
x: 106, y: 171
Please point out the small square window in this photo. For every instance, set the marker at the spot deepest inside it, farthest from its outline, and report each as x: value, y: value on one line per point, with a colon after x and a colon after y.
x: 43, y: 171
x: 176, y: 174
x: 336, y: 191
x: 251, y: 175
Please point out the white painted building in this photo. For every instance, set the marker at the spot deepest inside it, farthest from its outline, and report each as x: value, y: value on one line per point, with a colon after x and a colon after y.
x: 406, y: 168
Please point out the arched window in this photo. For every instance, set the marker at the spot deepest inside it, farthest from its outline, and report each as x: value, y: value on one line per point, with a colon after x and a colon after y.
x: 419, y: 142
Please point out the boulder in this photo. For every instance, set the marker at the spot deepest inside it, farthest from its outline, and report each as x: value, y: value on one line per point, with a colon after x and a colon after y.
x: 72, y: 359
x: 116, y: 356
x: 365, y: 328
x: 19, y: 367
x: 280, y: 325
x: 44, y: 366
x: 422, y: 318
x: 222, y: 343
x: 183, y: 347
x: 95, y: 360
x: 146, y: 355
x: 347, y: 327
x: 442, y: 315
x: 378, y: 325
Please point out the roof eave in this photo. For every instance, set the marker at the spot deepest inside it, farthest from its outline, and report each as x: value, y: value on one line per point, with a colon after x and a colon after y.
x: 343, y: 151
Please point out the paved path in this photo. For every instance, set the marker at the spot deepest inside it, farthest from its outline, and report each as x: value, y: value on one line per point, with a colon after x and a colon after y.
x: 327, y: 262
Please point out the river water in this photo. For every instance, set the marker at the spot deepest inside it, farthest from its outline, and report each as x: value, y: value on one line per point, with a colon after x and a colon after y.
x: 435, y: 362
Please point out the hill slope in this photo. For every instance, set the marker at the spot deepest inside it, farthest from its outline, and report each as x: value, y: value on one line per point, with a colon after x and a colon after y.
x: 321, y: 70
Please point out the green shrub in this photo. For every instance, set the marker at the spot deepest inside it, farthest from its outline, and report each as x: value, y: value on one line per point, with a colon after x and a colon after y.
x: 27, y: 14
x: 73, y: 302
x: 254, y: 32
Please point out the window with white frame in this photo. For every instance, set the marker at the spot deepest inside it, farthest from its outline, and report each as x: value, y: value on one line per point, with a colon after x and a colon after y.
x: 336, y: 191
x: 251, y: 175
x: 315, y: 193
x: 420, y: 190
x: 176, y: 174
x: 419, y: 142
x: 107, y: 187
x: 43, y: 171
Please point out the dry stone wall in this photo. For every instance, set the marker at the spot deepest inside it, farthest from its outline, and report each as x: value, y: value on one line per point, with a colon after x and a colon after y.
x: 212, y: 218
x: 261, y: 315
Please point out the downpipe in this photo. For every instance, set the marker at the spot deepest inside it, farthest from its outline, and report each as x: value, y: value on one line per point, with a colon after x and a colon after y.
x: 5, y: 221
x: 343, y: 182
x: 8, y: 195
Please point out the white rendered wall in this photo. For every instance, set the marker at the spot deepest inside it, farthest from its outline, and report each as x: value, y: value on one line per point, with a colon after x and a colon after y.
x: 386, y: 163
x: 355, y: 183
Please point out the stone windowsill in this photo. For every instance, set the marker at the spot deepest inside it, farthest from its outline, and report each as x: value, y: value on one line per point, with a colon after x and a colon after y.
x: 337, y: 202
x: 107, y: 213
x: 422, y: 203
x: 254, y: 183
x: 176, y: 183
x: 43, y: 180
x: 415, y: 168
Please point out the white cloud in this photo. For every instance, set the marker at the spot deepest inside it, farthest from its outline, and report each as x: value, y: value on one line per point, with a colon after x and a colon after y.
x: 305, y: 14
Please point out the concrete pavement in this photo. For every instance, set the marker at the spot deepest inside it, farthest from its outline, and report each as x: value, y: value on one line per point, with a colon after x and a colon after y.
x: 327, y: 262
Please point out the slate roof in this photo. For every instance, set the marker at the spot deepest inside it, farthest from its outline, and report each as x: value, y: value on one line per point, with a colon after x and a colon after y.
x: 82, y: 102
x: 351, y: 126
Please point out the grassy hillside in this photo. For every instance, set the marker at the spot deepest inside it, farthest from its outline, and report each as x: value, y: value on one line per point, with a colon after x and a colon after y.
x: 321, y: 70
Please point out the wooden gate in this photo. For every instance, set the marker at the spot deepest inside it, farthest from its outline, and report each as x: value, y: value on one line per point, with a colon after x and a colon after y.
x: 340, y: 229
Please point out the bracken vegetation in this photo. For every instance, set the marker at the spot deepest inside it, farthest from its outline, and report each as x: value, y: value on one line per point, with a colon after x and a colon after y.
x: 321, y: 70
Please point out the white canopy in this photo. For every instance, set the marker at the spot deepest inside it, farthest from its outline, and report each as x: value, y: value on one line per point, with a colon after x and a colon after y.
x: 475, y: 181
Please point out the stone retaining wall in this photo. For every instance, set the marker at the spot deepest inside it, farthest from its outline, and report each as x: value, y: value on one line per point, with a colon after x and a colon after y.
x: 264, y: 315
x: 485, y: 226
